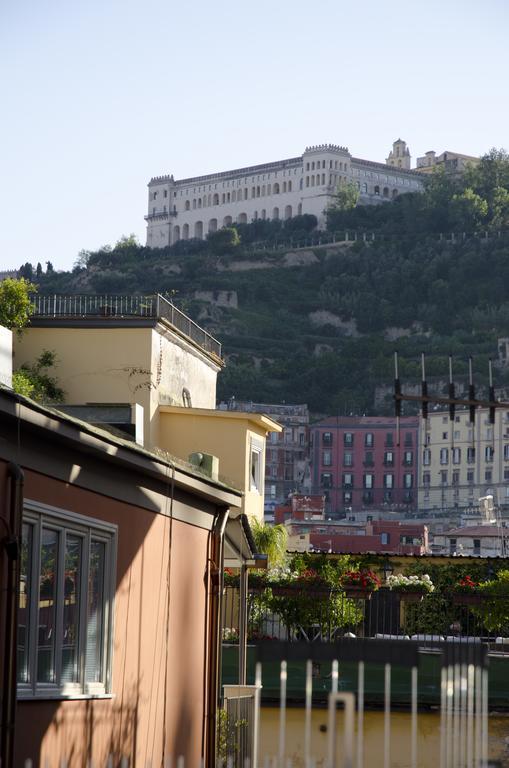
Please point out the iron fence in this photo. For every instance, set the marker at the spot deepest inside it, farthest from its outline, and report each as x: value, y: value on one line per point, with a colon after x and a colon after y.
x: 85, y: 306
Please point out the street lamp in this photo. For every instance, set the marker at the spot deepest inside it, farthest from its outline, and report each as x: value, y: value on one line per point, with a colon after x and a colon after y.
x: 387, y: 569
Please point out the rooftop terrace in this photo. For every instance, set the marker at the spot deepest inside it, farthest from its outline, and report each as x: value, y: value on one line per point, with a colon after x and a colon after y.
x: 60, y: 308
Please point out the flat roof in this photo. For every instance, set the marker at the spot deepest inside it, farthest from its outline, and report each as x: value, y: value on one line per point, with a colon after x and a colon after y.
x: 259, y: 419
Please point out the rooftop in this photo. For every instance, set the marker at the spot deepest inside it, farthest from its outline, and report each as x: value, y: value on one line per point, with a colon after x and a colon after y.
x: 112, y: 310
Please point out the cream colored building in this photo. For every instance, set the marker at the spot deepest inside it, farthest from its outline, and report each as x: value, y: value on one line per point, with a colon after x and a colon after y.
x: 144, y: 353
x: 461, y: 462
x: 193, y: 207
x: 235, y: 437
x: 451, y: 162
x: 399, y: 156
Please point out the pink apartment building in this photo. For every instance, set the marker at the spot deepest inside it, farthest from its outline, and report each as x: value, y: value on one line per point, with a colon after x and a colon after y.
x: 361, y: 462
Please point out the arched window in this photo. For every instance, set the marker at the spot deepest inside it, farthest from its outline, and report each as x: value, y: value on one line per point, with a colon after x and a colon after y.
x: 215, y: 199
x: 386, y: 192
x: 365, y: 188
x: 185, y: 232
x: 246, y: 193
x: 289, y: 186
x: 394, y: 192
x: 242, y: 218
x: 377, y: 190
x: 223, y: 198
x: 255, y: 215
x: 253, y: 192
x: 275, y: 189
x: 284, y: 186
x: 194, y: 204
x: 312, y: 166
x: 186, y: 398
x: 269, y: 189
x: 227, y: 221
x: 199, y: 202
x: 198, y: 229
x: 264, y: 214
x: 275, y: 213
x: 288, y: 212
x: 234, y: 196
x: 176, y: 234
x: 323, y: 178
x: 257, y: 191
x: 187, y: 205
x: 299, y: 209
x: 263, y: 190
x: 301, y: 182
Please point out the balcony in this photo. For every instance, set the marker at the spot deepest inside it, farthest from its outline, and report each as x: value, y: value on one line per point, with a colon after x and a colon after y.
x: 160, y: 215
x: 84, y: 307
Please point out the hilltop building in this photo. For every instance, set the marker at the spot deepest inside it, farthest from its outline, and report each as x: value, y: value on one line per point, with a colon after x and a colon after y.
x: 192, y: 207
x: 451, y: 162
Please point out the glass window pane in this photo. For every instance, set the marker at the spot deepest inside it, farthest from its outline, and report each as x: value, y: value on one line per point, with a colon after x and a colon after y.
x: 25, y: 586
x: 95, y: 613
x: 47, y: 607
x: 70, y: 628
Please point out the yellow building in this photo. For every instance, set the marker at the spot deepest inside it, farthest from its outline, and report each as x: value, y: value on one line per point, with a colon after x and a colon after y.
x: 461, y: 462
x: 236, y: 437
x: 142, y: 351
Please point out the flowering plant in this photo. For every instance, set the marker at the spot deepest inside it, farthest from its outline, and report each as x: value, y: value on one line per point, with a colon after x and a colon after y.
x: 230, y: 635
x: 366, y: 580
x: 414, y: 583
x: 230, y: 578
x: 466, y: 585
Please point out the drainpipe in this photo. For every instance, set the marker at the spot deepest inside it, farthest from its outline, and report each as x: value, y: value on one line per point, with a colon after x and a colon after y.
x: 215, y: 639
x: 11, y: 543
x: 243, y: 624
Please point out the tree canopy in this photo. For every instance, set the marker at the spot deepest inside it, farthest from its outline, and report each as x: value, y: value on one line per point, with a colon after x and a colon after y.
x: 15, y: 303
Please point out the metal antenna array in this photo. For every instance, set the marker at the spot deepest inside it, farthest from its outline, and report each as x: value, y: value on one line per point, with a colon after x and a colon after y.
x: 451, y: 400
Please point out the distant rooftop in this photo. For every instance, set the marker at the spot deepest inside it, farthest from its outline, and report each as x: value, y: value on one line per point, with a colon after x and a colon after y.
x: 60, y: 309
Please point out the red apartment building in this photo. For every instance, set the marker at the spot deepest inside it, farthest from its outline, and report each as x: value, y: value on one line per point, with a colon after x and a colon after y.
x: 381, y: 536
x: 360, y: 462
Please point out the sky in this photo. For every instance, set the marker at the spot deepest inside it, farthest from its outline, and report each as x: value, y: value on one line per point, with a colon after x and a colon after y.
x: 98, y: 96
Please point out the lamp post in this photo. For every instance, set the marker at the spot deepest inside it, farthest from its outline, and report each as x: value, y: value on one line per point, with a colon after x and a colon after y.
x: 388, y: 569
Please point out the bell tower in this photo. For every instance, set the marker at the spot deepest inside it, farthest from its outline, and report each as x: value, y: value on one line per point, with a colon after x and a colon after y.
x: 399, y: 156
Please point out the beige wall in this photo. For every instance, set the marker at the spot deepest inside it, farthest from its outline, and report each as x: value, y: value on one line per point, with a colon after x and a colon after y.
x: 124, y: 365
x: 227, y: 438
x: 428, y: 737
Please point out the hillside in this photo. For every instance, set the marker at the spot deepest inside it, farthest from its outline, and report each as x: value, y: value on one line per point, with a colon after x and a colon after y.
x: 319, y: 323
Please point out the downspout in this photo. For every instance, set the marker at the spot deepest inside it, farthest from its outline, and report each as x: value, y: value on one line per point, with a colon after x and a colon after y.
x: 11, y: 543
x: 215, y: 639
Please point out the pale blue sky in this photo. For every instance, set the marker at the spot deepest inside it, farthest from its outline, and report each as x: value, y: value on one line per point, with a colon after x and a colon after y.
x: 97, y: 96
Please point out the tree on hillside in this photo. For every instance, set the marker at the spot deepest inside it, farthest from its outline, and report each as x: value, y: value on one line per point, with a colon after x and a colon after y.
x: 270, y: 540
x: 15, y: 304
x: 468, y: 211
x: 346, y: 197
x: 225, y: 240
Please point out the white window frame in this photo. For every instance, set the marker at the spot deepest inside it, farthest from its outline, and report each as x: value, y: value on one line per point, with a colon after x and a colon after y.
x: 256, y: 477
x: 64, y: 521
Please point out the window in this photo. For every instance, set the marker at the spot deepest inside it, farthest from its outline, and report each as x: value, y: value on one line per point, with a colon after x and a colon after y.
x: 186, y: 398
x: 389, y: 441
x: 389, y: 459
x: 426, y: 457
x: 368, y: 481
x: 426, y: 479
x: 388, y: 481
x: 443, y: 476
x: 408, y: 439
x: 408, y: 480
x: 444, y: 435
x: 477, y: 546
x: 489, y: 452
x: 256, y: 465
x: 369, y: 439
x: 408, y: 458
x: 348, y: 459
x: 456, y: 455
x: 347, y: 497
x: 444, y: 455
x: 456, y: 477
x: 326, y: 480
x: 506, y: 452
x: 327, y: 459
x: 327, y: 438
x: 347, y: 480
x: 470, y: 476
x: 66, y: 603
x: 452, y: 546
x: 488, y: 476
x: 470, y: 455
x: 368, y: 459
x: 348, y: 439
x: 384, y: 538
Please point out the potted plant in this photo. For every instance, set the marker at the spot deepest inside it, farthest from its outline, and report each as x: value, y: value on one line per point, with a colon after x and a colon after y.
x: 411, y: 589
x: 360, y: 584
x: 466, y: 592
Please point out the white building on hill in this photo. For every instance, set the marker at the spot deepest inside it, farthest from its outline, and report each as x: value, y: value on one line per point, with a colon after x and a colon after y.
x: 186, y: 208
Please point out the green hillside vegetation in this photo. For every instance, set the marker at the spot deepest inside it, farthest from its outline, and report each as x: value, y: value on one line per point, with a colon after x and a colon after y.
x: 319, y: 323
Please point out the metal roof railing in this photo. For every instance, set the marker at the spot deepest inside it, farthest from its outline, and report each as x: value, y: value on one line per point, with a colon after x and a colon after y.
x: 115, y: 306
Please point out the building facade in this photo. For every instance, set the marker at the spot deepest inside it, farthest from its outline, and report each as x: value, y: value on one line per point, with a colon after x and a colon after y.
x: 287, y: 453
x: 450, y: 162
x: 358, y: 463
x: 461, y: 462
x: 193, y: 207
